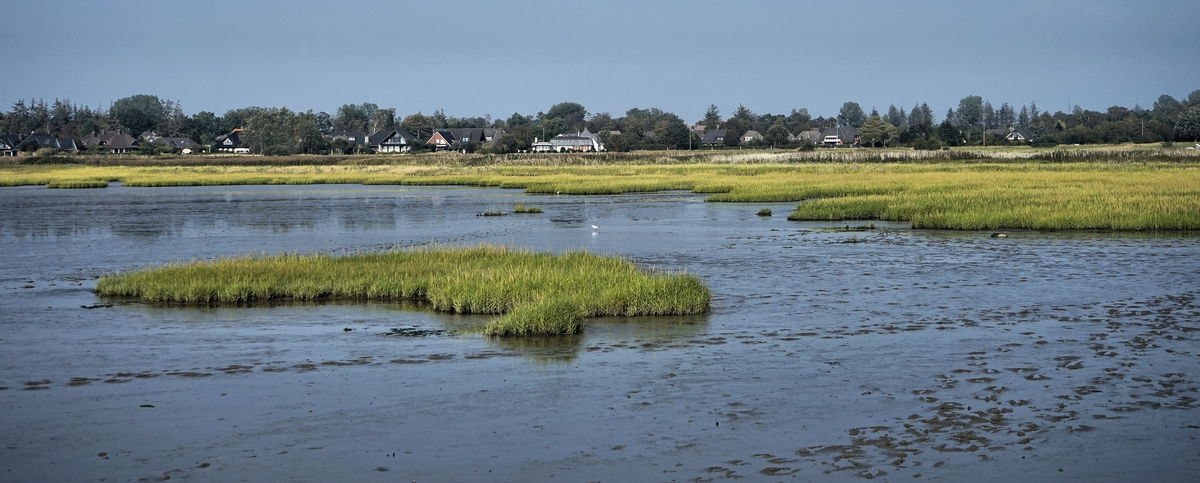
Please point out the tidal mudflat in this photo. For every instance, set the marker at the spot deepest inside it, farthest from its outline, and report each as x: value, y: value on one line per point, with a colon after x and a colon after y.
x: 829, y: 354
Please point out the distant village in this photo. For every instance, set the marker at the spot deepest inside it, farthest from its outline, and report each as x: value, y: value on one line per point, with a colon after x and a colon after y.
x: 40, y: 128
x: 389, y: 141
x: 401, y: 141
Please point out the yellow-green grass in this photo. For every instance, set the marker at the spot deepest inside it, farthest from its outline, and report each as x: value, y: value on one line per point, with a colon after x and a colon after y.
x: 77, y: 183
x: 521, y: 208
x: 533, y: 293
x: 973, y: 194
x: 1166, y: 199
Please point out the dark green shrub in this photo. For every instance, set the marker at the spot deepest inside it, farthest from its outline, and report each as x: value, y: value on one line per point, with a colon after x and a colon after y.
x: 927, y: 145
x: 277, y: 151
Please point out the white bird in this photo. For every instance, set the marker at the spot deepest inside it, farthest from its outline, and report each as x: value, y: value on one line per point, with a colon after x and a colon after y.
x: 595, y: 228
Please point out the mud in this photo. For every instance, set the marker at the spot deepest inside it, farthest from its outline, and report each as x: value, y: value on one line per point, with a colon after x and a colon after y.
x: 832, y: 352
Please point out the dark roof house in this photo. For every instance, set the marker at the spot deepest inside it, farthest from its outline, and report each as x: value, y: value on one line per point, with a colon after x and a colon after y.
x: 9, y: 145
x: 812, y: 135
x: 231, y: 143
x: 34, y: 142
x: 839, y: 136
x: 116, y: 142
x: 580, y: 141
x: 458, y: 137
x: 1013, y: 133
x: 713, y: 137
x: 468, y: 135
x: 183, y: 145
x: 394, y: 141
x: 491, y: 134
x: 751, y: 136
x: 1020, y: 134
x: 356, y: 138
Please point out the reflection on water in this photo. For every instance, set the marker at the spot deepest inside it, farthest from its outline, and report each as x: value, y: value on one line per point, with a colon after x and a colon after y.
x: 646, y: 333
x: 542, y: 350
x: 665, y: 330
x: 418, y: 320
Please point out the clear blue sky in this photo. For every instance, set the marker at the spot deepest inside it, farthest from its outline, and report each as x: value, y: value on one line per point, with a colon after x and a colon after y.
x: 499, y: 57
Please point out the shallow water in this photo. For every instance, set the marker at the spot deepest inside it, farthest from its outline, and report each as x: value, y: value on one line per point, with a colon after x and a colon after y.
x: 828, y: 355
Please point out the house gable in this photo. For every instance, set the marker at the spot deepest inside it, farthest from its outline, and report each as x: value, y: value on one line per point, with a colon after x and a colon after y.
x: 714, y: 137
x: 8, y: 145
x: 441, y: 139
x: 394, y: 141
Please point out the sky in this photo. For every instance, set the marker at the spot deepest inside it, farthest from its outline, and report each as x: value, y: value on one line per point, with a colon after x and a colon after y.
x: 497, y: 58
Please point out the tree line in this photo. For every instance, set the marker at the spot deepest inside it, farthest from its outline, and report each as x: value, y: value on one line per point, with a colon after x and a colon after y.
x: 281, y: 130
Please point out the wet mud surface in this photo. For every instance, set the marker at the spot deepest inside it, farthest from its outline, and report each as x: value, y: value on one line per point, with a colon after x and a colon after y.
x: 830, y: 354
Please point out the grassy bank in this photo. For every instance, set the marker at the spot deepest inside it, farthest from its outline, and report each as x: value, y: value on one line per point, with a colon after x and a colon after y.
x: 1123, y: 192
x: 534, y: 293
x: 1129, y: 199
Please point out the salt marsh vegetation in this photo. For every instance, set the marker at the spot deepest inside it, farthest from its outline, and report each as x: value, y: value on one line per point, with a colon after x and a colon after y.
x: 1010, y: 188
x: 521, y: 208
x: 533, y: 293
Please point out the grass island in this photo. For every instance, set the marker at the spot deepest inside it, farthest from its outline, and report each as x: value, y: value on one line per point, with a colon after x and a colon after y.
x: 533, y: 293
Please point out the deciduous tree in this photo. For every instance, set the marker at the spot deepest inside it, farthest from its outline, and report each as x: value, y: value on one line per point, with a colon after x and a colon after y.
x: 138, y: 113
x: 382, y: 120
x: 601, y: 122
x: 1166, y: 109
x: 1188, y: 125
x: 203, y: 127
x: 672, y: 132
x: 354, y: 117
x: 571, y: 114
x: 970, y: 112
x: 777, y: 134
x: 418, y: 125
x: 877, y: 131
x: 851, y: 114
x: 799, y: 120
x: 734, y: 129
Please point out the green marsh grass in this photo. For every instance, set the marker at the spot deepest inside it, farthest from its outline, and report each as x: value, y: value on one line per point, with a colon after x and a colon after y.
x: 521, y: 208
x: 78, y: 184
x: 764, y: 212
x: 534, y: 293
